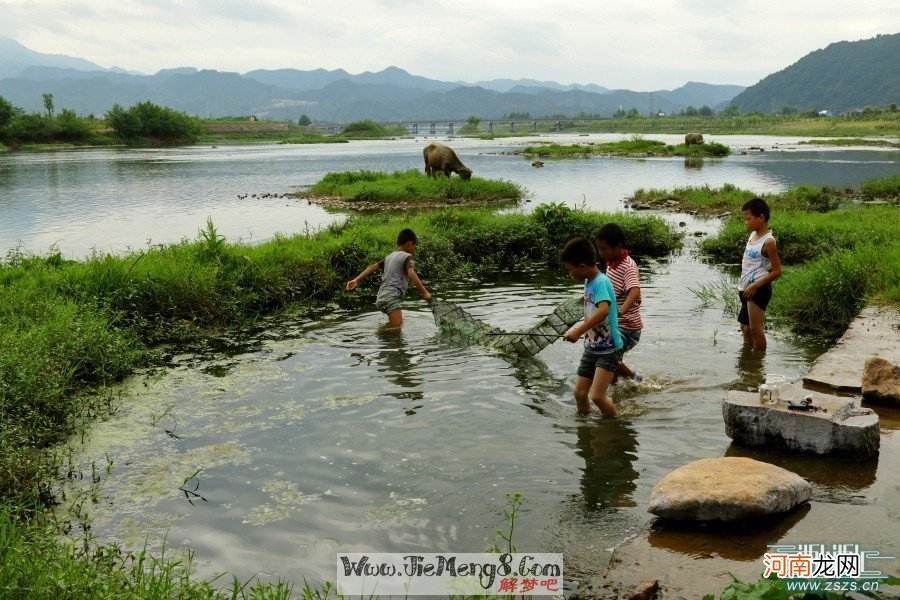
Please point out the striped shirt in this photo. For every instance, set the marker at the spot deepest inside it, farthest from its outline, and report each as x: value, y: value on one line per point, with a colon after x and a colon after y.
x: 624, y: 276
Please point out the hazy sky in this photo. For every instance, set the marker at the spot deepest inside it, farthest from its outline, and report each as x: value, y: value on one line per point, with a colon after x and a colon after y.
x: 632, y: 44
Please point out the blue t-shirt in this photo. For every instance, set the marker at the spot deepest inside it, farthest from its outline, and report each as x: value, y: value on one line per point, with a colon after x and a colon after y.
x: 604, y: 337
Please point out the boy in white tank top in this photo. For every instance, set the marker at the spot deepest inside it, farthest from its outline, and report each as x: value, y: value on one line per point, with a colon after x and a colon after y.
x: 760, y: 266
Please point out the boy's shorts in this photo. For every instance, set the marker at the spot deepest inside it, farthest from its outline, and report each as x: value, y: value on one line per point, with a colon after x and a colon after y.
x: 761, y: 298
x: 630, y: 338
x: 388, y: 300
x: 591, y: 361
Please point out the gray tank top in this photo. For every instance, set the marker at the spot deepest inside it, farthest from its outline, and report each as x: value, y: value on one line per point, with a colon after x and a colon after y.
x: 395, y: 265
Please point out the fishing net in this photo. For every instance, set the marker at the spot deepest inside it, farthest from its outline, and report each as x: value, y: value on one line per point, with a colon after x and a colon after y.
x: 457, y: 323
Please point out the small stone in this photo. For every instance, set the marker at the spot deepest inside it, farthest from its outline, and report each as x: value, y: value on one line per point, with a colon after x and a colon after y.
x: 648, y: 590
x: 881, y: 381
x: 727, y: 489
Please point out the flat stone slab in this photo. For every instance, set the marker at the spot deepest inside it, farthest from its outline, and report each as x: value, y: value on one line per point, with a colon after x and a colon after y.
x: 841, y: 428
x: 727, y: 489
x: 876, y: 331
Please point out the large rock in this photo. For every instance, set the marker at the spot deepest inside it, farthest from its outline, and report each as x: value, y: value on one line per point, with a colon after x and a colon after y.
x: 840, y: 428
x: 881, y: 381
x: 727, y: 489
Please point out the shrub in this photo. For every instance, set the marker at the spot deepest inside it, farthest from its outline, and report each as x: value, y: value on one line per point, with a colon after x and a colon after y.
x: 365, y: 128
x: 886, y: 188
x: 146, y: 121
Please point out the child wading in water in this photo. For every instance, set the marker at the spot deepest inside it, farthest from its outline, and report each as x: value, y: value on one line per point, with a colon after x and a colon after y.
x: 399, y: 270
x: 623, y: 274
x: 600, y: 328
x: 760, y: 266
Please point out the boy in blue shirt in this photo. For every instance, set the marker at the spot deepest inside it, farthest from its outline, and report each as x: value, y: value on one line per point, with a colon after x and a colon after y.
x: 600, y: 328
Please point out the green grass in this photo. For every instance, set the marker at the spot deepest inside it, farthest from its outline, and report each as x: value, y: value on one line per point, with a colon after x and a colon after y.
x: 728, y: 198
x: 852, y: 142
x: 633, y: 147
x: 886, y: 188
x: 291, y: 136
x: 314, y: 138
x: 34, y: 563
x: 823, y: 296
x: 412, y: 185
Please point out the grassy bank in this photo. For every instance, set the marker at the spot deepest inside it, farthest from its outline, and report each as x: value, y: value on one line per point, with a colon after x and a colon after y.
x: 838, y: 255
x: 632, y: 148
x: 852, y: 142
x: 290, y: 136
x: 72, y: 327
x: 705, y: 200
x: 356, y: 187
x: 236, y: 139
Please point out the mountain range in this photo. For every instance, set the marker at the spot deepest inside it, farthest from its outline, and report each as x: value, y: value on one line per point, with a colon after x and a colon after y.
x: 842, y: 77
x: 392, y: 94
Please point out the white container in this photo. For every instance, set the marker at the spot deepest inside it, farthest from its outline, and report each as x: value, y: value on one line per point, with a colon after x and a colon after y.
x: 770, y: 391
x: 768, y: 394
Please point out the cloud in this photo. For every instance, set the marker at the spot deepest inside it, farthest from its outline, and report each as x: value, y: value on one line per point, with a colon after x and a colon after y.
x: 616, y: 43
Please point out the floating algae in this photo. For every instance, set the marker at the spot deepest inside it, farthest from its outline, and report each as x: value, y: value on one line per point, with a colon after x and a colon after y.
x: 286, y: 500
x: 348, y: 400
x: 398, y: 508
x: 456, y: 323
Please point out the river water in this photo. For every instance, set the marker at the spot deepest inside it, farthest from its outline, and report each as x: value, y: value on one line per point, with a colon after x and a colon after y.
x: 115, y: 199
x: 318, y: 433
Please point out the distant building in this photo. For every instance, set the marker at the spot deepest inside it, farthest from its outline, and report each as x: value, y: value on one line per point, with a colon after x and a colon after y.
x: 253, y: 118
x: 660, y: 114
x: 824, y: 113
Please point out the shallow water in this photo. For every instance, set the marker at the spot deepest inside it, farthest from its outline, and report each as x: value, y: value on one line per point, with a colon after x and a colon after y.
x: 115, y: 199
x: 321, y: 434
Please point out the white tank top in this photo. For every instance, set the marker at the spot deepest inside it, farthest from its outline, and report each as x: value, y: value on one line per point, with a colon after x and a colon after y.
x: 754, y: 265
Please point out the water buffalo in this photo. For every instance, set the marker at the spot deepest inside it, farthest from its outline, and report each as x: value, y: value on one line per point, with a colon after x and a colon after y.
x: 442, y: 159
x: 693, y: 138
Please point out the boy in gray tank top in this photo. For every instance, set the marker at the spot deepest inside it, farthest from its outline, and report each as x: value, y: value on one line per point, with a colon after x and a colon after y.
x: 399, y: 270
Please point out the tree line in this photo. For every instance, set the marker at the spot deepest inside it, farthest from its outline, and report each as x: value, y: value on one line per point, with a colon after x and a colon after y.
x: 142, y: 123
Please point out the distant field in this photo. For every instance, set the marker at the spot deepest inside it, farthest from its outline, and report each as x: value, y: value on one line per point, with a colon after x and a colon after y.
x: 877, y: 124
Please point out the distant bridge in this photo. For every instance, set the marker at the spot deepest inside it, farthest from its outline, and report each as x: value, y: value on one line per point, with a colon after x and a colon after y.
x: 487, y: 126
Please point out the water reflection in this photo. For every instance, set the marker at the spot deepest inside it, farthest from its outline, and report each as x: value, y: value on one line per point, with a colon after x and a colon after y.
x: 750, y: 369
x: 693, y: 162
x: 609, y: 449
x: 396, y: 361
x: 836, y: 479
x: 741, y: 541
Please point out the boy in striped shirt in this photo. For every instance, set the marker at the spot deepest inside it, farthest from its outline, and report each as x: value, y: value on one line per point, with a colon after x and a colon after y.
x: 623, y: 273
